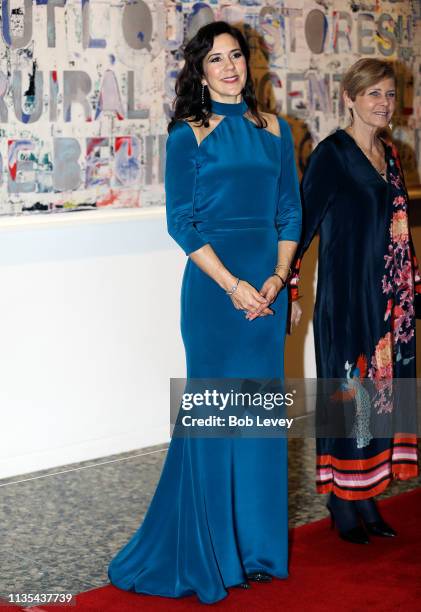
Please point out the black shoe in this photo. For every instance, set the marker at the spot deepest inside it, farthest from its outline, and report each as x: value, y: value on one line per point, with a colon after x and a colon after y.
x: 259, y: 577
x: 356, y: 535
x: 380, y: 528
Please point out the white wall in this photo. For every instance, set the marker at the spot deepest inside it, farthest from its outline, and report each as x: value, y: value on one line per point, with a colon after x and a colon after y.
x: 89, y: 337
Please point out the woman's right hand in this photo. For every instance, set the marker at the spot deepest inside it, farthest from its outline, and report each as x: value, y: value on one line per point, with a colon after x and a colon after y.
x: 248, y: 299
x: 296, y: 312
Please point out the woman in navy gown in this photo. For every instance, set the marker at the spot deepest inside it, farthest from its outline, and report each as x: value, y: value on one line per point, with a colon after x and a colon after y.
x: 219, y: 515
x: 364, y: 321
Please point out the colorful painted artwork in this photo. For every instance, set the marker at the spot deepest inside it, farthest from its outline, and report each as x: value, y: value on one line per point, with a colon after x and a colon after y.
x: 86, y: 87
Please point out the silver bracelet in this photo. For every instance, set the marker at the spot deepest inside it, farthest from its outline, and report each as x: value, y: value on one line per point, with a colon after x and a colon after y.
x: 233, y: 288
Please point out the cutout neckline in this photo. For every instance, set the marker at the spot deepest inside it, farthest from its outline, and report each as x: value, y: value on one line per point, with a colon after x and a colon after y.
x: 229, y: 110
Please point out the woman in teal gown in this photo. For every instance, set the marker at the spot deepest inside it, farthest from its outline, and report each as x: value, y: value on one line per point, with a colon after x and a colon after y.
x: 219, y: 514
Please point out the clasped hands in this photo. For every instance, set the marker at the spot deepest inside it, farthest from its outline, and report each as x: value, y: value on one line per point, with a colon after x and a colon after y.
x: 256, y: 303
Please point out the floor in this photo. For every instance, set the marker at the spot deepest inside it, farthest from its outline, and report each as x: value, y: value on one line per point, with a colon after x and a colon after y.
x: 59, y: 529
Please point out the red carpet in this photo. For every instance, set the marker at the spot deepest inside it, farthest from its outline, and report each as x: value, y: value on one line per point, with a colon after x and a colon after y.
x: 5, y: 606
x: 326, y: 574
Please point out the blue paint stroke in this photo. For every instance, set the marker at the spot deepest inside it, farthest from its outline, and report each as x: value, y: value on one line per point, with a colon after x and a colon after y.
x: 94, y: 43
x: 97, y: 43
x: 127, y: 167
x: 98, y: 108
x: 5, y: 19
x: 198, y: 7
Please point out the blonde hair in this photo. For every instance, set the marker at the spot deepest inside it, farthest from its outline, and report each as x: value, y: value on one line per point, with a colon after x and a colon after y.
x: 365, y: 73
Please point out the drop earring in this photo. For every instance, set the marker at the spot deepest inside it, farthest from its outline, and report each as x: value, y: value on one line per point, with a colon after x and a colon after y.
x: 203, y: 94
x: 351, y: 112
x: 390, y: 125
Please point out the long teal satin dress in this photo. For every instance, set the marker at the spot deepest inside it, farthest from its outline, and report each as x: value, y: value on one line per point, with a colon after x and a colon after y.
x: 220, y: 509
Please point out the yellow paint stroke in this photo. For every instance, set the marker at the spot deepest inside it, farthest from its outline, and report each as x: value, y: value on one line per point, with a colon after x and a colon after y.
x: 385, y: 43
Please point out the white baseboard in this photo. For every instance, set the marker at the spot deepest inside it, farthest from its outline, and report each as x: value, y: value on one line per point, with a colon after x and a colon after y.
x: 82, y: 451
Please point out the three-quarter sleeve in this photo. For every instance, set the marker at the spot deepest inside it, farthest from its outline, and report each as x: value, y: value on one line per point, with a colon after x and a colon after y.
x: 318, y: 189
x: 180, y: 187
x: 288, y: 217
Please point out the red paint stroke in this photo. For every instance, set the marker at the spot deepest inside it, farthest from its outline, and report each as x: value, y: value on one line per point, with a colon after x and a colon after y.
x: 336, y: 30
x: 93, y: 142
x: 54, y: 75
x: 294, y: 94
x: 13, y: 170
x: 108, y: 200
x: 120, y: 140
x: 120, y: 117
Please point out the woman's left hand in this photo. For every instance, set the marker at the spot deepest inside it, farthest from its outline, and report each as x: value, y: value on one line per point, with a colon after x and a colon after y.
x: 271, y: 288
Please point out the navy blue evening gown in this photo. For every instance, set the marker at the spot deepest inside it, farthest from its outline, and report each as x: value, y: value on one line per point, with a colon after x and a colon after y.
x: 220, y: 508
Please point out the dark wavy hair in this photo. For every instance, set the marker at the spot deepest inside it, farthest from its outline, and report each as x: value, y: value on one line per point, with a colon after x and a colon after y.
x: 188, y: 87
